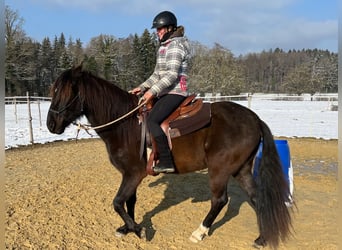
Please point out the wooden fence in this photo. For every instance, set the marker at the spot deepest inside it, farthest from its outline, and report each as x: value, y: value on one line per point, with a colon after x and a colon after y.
x: 35, y: 100
x: 209, y: 97
x: 29, y: 100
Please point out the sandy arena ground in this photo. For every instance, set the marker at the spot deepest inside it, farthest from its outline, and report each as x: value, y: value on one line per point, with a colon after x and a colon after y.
x: 59, y: 196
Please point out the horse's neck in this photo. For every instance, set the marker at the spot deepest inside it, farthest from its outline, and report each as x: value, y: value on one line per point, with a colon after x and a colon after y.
x: 103, y: 112
x: 105, y: 103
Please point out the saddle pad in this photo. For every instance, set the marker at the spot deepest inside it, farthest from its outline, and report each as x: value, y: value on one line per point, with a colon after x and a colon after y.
x: 192, y: 123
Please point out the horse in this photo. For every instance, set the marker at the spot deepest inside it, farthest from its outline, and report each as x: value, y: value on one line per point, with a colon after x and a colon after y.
x: 226, y: 147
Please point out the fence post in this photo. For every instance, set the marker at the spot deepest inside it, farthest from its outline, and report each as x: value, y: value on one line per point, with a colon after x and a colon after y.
x: 15, y: 110
x: 40, y: 114
x: 249, y: 98
x: 29, y: 117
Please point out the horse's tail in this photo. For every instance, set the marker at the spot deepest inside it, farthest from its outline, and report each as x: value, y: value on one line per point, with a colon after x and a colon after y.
x: 274, y: 219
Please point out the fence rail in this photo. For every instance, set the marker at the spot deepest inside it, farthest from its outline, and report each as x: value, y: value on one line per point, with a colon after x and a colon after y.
x: 333, y: 97
x: 25, y: 99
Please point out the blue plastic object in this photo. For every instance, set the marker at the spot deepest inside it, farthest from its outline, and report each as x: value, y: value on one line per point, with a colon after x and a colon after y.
x: 285, y: 158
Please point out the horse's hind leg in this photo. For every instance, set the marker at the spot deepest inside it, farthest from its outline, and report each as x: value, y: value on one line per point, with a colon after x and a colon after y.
x: 219, y: 199
x: 246, y: 181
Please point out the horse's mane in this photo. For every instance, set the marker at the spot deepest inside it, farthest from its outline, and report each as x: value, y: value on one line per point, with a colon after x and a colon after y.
x: 100, y: 93
x: 101, y: 97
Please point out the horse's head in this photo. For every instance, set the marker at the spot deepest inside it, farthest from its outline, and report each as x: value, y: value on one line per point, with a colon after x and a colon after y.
x: 66, y: 104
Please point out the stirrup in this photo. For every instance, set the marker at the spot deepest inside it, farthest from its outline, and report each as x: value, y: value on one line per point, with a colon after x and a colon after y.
x: 162, y: 169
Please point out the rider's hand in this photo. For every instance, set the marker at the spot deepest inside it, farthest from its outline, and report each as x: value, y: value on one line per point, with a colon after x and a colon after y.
x: 135, y: 91
x: 148, y: 96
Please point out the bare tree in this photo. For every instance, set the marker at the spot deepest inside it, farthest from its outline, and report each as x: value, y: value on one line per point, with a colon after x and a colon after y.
x: 14, y: 36
x: 215, y: 71
x: 14, y: 26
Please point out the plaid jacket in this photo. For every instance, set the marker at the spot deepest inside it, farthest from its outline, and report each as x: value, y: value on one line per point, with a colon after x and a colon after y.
x: 170, y: 73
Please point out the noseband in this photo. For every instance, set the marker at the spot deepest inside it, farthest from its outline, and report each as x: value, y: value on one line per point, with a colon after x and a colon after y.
x: 66, y: 106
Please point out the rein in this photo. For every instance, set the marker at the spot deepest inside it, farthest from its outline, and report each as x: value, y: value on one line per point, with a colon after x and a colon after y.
x: 88, y: 127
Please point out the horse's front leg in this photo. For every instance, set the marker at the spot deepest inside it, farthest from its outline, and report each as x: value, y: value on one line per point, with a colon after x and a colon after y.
x: 130, y: 205
x: 127, y: 194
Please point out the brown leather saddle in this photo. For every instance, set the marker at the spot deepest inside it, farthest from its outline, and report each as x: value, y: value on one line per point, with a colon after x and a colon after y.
x: 191, y: 115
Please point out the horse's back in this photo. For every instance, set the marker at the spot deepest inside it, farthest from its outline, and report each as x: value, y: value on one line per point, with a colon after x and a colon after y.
x: 234, y: 118
x: 232, y: 110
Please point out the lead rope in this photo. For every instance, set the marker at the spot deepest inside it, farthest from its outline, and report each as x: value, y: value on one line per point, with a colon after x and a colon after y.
x: 80, y: 126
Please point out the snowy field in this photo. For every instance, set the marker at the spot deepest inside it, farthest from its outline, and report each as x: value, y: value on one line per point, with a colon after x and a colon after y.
x: 285, y: 118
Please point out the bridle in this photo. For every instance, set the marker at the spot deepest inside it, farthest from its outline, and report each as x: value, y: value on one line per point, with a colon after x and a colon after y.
x: 88, y: 127
x: 142, y: 102
x: 66, y: 106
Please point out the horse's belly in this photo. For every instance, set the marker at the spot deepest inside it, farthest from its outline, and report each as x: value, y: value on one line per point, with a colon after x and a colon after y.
x: 189, y: 152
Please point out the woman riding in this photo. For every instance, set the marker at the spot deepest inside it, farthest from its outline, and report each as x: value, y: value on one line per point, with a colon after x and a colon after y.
x: 167, y: 84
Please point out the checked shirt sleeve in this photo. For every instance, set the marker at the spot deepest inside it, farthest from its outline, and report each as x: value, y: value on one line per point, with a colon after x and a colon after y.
x: 167, y: 69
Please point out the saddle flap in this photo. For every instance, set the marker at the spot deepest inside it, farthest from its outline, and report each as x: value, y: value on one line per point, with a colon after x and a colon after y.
x: 191, y: 121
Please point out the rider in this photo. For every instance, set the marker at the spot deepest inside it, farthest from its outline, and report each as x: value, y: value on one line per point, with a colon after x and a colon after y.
x: 167, y: 84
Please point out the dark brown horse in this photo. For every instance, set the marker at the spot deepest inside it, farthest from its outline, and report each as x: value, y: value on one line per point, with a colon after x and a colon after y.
x: 226, y: 147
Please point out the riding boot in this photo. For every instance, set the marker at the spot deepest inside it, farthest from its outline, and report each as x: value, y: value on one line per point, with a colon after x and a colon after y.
x: 165, y: 164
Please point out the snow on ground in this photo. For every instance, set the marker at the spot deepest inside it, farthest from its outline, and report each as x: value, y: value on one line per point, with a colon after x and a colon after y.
x: 298, y: 118
x: 285, y: 118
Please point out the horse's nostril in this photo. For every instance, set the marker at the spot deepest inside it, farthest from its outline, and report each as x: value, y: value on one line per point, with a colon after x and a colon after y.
x: 50, y: 124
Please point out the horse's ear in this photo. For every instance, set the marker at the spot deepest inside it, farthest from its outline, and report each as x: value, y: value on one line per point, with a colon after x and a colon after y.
x: 77, y: 70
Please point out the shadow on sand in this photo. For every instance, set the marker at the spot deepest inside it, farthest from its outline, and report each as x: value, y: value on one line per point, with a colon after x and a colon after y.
x: 193, y: 186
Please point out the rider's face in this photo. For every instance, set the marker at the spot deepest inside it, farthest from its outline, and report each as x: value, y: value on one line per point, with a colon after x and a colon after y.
x: 161, y: 32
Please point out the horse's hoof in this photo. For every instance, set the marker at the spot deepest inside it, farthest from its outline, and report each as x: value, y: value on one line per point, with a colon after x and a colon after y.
x: 259, y: 243
x: 142, y: 234
x: 199, y: 234
x: 119, y: 234
x: 121, y: 231
x: 194, y: 239
x: 257, y: 246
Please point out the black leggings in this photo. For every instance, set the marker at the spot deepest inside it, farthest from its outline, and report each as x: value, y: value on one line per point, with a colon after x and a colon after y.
x: 164, y: 106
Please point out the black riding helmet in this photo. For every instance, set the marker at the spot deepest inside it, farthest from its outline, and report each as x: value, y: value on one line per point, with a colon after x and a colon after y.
x: 165, y: 18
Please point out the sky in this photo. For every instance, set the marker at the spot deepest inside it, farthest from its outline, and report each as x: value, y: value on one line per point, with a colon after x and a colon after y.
x: 242, y: 26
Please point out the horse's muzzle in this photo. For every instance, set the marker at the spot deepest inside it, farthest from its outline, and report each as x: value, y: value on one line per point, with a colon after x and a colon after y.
x: 52, y: 125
